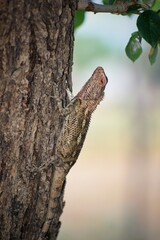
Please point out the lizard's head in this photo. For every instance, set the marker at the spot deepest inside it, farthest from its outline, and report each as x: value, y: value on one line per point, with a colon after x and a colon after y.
x: 94, y: 88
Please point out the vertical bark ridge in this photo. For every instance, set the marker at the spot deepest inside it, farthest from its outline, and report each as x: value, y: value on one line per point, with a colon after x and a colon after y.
x: 36, y: 47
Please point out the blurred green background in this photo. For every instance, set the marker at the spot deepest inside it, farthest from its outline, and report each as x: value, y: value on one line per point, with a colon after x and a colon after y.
x: 113, y: 191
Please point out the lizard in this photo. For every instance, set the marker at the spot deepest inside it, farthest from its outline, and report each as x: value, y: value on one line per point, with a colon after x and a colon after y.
x: 72, y: 136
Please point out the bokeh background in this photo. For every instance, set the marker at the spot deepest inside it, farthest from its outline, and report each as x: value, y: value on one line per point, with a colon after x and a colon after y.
x: 113, y: 191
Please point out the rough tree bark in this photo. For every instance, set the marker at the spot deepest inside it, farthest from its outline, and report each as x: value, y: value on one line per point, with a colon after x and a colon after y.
x: 36, y: 47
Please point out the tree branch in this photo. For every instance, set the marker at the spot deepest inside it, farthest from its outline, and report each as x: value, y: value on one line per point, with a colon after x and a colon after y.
x: 119, y: 7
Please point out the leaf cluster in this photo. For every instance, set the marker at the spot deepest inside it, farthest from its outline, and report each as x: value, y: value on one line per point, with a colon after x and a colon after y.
x: 148, y: 26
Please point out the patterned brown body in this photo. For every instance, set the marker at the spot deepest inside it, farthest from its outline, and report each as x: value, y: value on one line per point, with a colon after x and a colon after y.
x: 77, y: 121
x: 72, y: 137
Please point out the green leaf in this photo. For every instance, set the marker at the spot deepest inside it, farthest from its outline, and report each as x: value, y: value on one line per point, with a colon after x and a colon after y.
x: 107, y: 2
x: 156, y: 5
x: 153, y: 55
x: 79, y: 18
x: 133, y: 48
x: 148, y: 24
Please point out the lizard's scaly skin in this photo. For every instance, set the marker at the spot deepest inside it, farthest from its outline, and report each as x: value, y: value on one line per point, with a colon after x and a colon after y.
x: 72, y: 137
x: 76, y: 123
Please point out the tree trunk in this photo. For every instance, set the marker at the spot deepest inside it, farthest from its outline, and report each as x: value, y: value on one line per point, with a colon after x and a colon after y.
x: 36, y: 46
